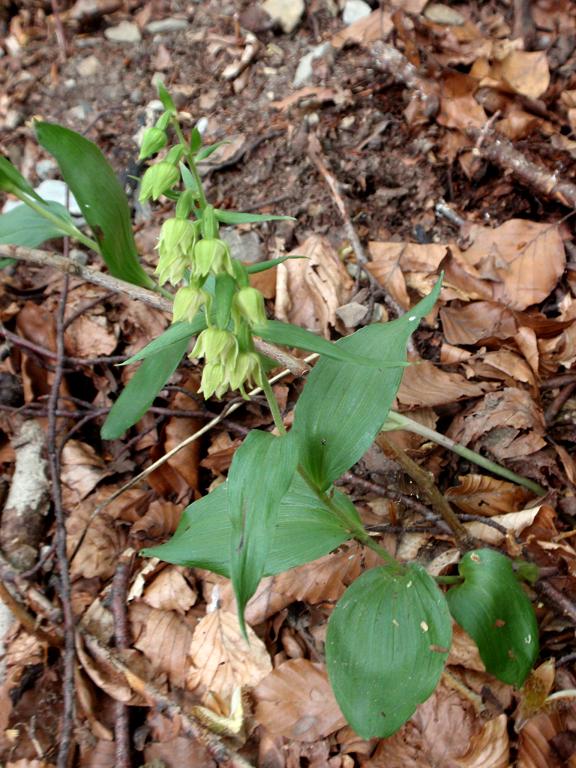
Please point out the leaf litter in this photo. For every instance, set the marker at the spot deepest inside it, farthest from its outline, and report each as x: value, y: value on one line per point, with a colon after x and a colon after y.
x: 493, y: 367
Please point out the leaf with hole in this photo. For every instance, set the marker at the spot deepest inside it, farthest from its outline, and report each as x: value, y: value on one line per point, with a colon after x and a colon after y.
x: 386, y: 646
x: 305, y: 529
x: 494, y: 610
x: 141, y: 390
x: 100, y: 197
x: 344, y: 405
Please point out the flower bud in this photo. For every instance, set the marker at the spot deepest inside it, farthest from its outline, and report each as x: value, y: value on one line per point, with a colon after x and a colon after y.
x: 212, y: 255
x: 153, y: 141
x: 158, y: 179
x: 187, y: 302
x: 250, y: 302
x: 175, y: 246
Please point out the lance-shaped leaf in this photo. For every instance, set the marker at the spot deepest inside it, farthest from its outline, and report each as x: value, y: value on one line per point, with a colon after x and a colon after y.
x: 344, y: 405
x: 259, y: 477
x: 176, y: 333
x: 25, y: 227
x: 237, y: 217
x: 386, y: 646
x: 100, y: 197
x: 495, y: 611
x: 11, y: 180
x: 139, y: 393
x: 305, y: 530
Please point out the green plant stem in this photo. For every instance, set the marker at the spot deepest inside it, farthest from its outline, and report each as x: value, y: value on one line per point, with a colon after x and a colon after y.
x: 449, y: 579
x: 273, y: 405
x: 191, y: 163
x: 399, y: 421
x: 64, y: 226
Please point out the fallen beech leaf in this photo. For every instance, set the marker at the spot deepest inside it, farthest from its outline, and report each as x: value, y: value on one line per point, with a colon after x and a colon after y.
x: 221, y: 660
x: 160, y: 520
x: 296, y: 701
x: 101, y: 754
x: 458, y: 107
x: 177, y: 753
x: 426, y: 384
x: 163, y: 637
x: 310, y: 290
x: 535, y: 742
x: 186, y: 461
x: 91, y: 336
x: 526, y: 72
x: 170, y: 592
x: 464, y: 651
x: 375, y: 26
x: 391, y: 261
x: 490, y: 747
x: 505, y: 365
x: 524, y: 258
x: 82, y: 470
x: 477, y: 321
x: 98, y: 553
x: 484, y: 495
x: 514, y: 522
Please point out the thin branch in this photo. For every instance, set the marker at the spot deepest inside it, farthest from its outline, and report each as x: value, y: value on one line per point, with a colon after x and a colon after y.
x: 122, y: 640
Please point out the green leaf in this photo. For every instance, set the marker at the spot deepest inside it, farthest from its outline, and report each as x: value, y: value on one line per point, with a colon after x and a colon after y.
x: 494, y: 610
x: 139, y: 393
x: 11, y: 180
x: 188, y: 179
x: 262, y: 266
x: 166, y: 99
x: 259, y: 477
x: 344, y: 405
x: 7, y: 263
x: 305, y: 530
x: 387, y: 643
x: 175, y: 334
x: 23, y: 226
x: 195, y: 140
x: 236, y: 217
x: 289, y: 335
x: 205, y: 152
x: 100, y: 197
x: 224, y: 294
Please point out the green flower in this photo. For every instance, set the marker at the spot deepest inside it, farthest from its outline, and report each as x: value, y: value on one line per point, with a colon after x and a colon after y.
x: 212, y: 255
x: 187, y: 303
x: 215, y: 344
x: 250, y: 303
x: 175, y: 246
x: 158, y: 179
x: 153, y: 141
x: 247, y: 370
x: 214, y: 380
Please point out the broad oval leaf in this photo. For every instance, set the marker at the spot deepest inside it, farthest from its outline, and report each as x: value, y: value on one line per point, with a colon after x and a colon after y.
x: 25, y: 227
x: 100, y: 197
x: 139, y: 393
x: 494, y: 610
x: 344, y: 405
x: 387, y: 643
x: 176, y: 333
x: 305, y: 530
x: 259, y: 477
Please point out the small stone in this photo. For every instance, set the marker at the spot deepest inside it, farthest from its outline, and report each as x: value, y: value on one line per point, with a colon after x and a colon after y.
x: 347, y: 122
x: 45, y: 168
x: 245, y: 246
x: 79, y: 112
x: 125, y: 32
x: 443, y: 14
x: 304, y: 70
x: 255, y: 19
x: 286, y: 13
x: 354, y: 10
x: 13, y: 119
x: 89, y: 66
x: 352, y: 314
x: 202, y: 125
x: 312, y: 119
x: 166, y: 25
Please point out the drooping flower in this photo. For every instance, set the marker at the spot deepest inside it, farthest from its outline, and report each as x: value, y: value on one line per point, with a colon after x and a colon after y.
x: 159, y: 178
x: 175, y: 246
x: 250, y: 303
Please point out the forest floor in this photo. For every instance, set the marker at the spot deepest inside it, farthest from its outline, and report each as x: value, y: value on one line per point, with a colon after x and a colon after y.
x: 450, y: 134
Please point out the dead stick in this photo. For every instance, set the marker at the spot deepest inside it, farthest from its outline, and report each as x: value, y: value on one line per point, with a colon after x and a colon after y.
x: 424, y: 481
x: 152, y: 299
x: 122, y: 639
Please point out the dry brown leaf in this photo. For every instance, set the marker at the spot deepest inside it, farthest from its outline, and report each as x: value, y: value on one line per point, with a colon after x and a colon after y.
x: 458, y: 107
x: 221, y: 660
x: 504, y: 365
x: 82, y: 470
x: 489, y: 748
x: 375, y: 26
x: 426, y: 384
x: 484, y: 495
x: 509, y: 423
x: 24, y: 763
x: 524, y: 258
x: 161, y: 520
x: 98, y: 553
x: 170, y: 592
x: 186, y: 461
x: 164, y: 638
x: 316, y: 94
x: 391, y: 261
x: 477, y: 321
x: 178, y: 753
x: 535, y: 742
x: 513, y: 522
x: 464, y: 651
x: 296, y: 701
x: 91, y: 336
x: 310, y: 290
x: 526, y: 72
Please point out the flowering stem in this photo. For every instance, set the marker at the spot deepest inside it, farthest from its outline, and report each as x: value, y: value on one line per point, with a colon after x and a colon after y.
x: 191, y: 164
x: 273, y: 405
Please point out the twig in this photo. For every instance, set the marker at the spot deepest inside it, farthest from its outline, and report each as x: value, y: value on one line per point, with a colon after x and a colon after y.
x: 60, y: 35
x: 63, y: 264
x: 559, y: 601
x: 388, y: 59
x: 315, y: 155
x: 559, y: 401
x: 524, y: 23
x: 427, y: 485
x: 221, y: 753
x: 67, y: 725
x: 122, y: 640
x: 26, y: 619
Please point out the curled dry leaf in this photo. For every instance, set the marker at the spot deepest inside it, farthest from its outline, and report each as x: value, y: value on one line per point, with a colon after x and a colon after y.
x: 484, y: 495
x: 160, y: 521
x: 296, y: 701
x: 221, y: 660
x: 98, y: 553
x: 164, y: 638
x: 82, y: 470
x: 523, y: 72
x: 310, y: 290
x: 514, y: 522
x: 91, y: 336
x: 504, y: 365
x: 170, y: 592
x: 392, y: 261
x: 458, y: 107
x: 424, y: 383
x: 477, y: 321
x: 464, y: 651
